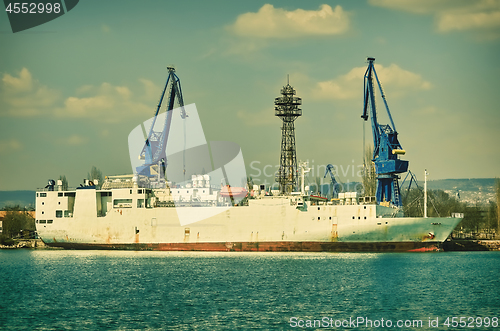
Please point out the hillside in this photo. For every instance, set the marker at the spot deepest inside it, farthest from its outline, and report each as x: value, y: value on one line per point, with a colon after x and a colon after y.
x: 466, y: 184
x: 14, y: 198
x: 469, y: 190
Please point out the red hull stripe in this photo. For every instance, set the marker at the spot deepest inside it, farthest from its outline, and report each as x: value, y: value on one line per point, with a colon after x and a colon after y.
x: 269, y: 246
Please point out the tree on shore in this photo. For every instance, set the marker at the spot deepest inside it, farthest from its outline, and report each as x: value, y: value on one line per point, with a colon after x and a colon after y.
x: 94, y: 174
x: 369, y: 175
x: 497, y: 185
x: 492, y: 217
x: 16, y: 222
x: 64, y: 182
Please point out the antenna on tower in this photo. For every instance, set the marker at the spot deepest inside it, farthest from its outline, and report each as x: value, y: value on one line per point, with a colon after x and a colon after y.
x: 287, y: 79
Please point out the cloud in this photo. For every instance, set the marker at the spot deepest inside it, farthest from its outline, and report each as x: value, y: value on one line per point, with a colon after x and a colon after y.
x: 76, y: 140
x: 23, y: 96
x: 151, y: 90
x: 106, y: 103
x: 350, y: 86
x: 10, y: 145
x: 270, y: 22
x: 466, y: 21
x: 73, y: 140
x: 257, y: 118
x: 453, y: 15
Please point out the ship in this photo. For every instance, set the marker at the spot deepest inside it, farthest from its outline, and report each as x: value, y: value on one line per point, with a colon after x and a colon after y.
x: 157, y: 208
x: 122, y: 216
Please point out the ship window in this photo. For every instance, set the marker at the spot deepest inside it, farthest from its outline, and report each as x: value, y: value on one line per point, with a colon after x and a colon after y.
x: 43, y: 203
x: 70, y: 194
x: 42, y: 221
x: 60, y: 194
x: 43, y: 212
x: 59, y: 213
x: 379, y: 223
x: 330, y: 217
x: 43, y: 195
x: 319, y: 218
x: 130, y: 191
x: 36, y: 221
x: 353, y: 217
x: 37, y: 195
x: 59, y: 202
x: 365, y: 207
x: 49, y: 221
x: 186, y: 231
x: 365, y: 217
x: 140, y: 203
x: 359, y: 217
x: 66, y: 213
x: 139, y: 191
x: 122, y: 203
x: 318, y: 208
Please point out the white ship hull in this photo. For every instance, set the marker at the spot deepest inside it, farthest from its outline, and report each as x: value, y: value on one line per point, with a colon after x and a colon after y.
x: 70, y: 220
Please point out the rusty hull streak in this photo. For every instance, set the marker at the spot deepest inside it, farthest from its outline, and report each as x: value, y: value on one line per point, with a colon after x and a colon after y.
x: 271, y: 246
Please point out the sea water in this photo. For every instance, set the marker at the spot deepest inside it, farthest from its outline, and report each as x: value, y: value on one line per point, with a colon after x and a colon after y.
x: 127, y: 290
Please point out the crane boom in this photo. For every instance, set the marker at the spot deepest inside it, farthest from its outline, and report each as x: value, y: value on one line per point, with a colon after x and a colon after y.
x: 386, y: 146
x: 329, y: 168
x: 154, y: 151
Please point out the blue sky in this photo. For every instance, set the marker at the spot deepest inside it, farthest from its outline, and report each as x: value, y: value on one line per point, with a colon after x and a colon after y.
x: 72, y: 89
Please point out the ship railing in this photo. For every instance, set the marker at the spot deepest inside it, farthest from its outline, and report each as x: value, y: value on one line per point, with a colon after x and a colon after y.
x: 367, y: 200
x: 46, y: 189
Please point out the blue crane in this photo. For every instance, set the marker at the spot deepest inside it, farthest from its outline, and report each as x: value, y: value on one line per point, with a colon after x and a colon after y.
x: 154, y: 150
x: 386, y: 147
x: 329, y: 168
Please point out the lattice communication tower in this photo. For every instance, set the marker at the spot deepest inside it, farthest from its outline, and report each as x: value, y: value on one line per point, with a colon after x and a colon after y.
x: 287, y: 109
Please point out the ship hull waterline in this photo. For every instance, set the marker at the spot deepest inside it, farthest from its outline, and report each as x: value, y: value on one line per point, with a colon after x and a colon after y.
x: 288, y: 246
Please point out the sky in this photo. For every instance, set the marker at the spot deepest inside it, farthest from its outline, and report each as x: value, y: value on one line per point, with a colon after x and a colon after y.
x: 72, y: 89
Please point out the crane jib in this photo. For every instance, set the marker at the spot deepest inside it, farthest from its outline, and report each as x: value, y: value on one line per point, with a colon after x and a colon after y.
x: 154, y: 150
